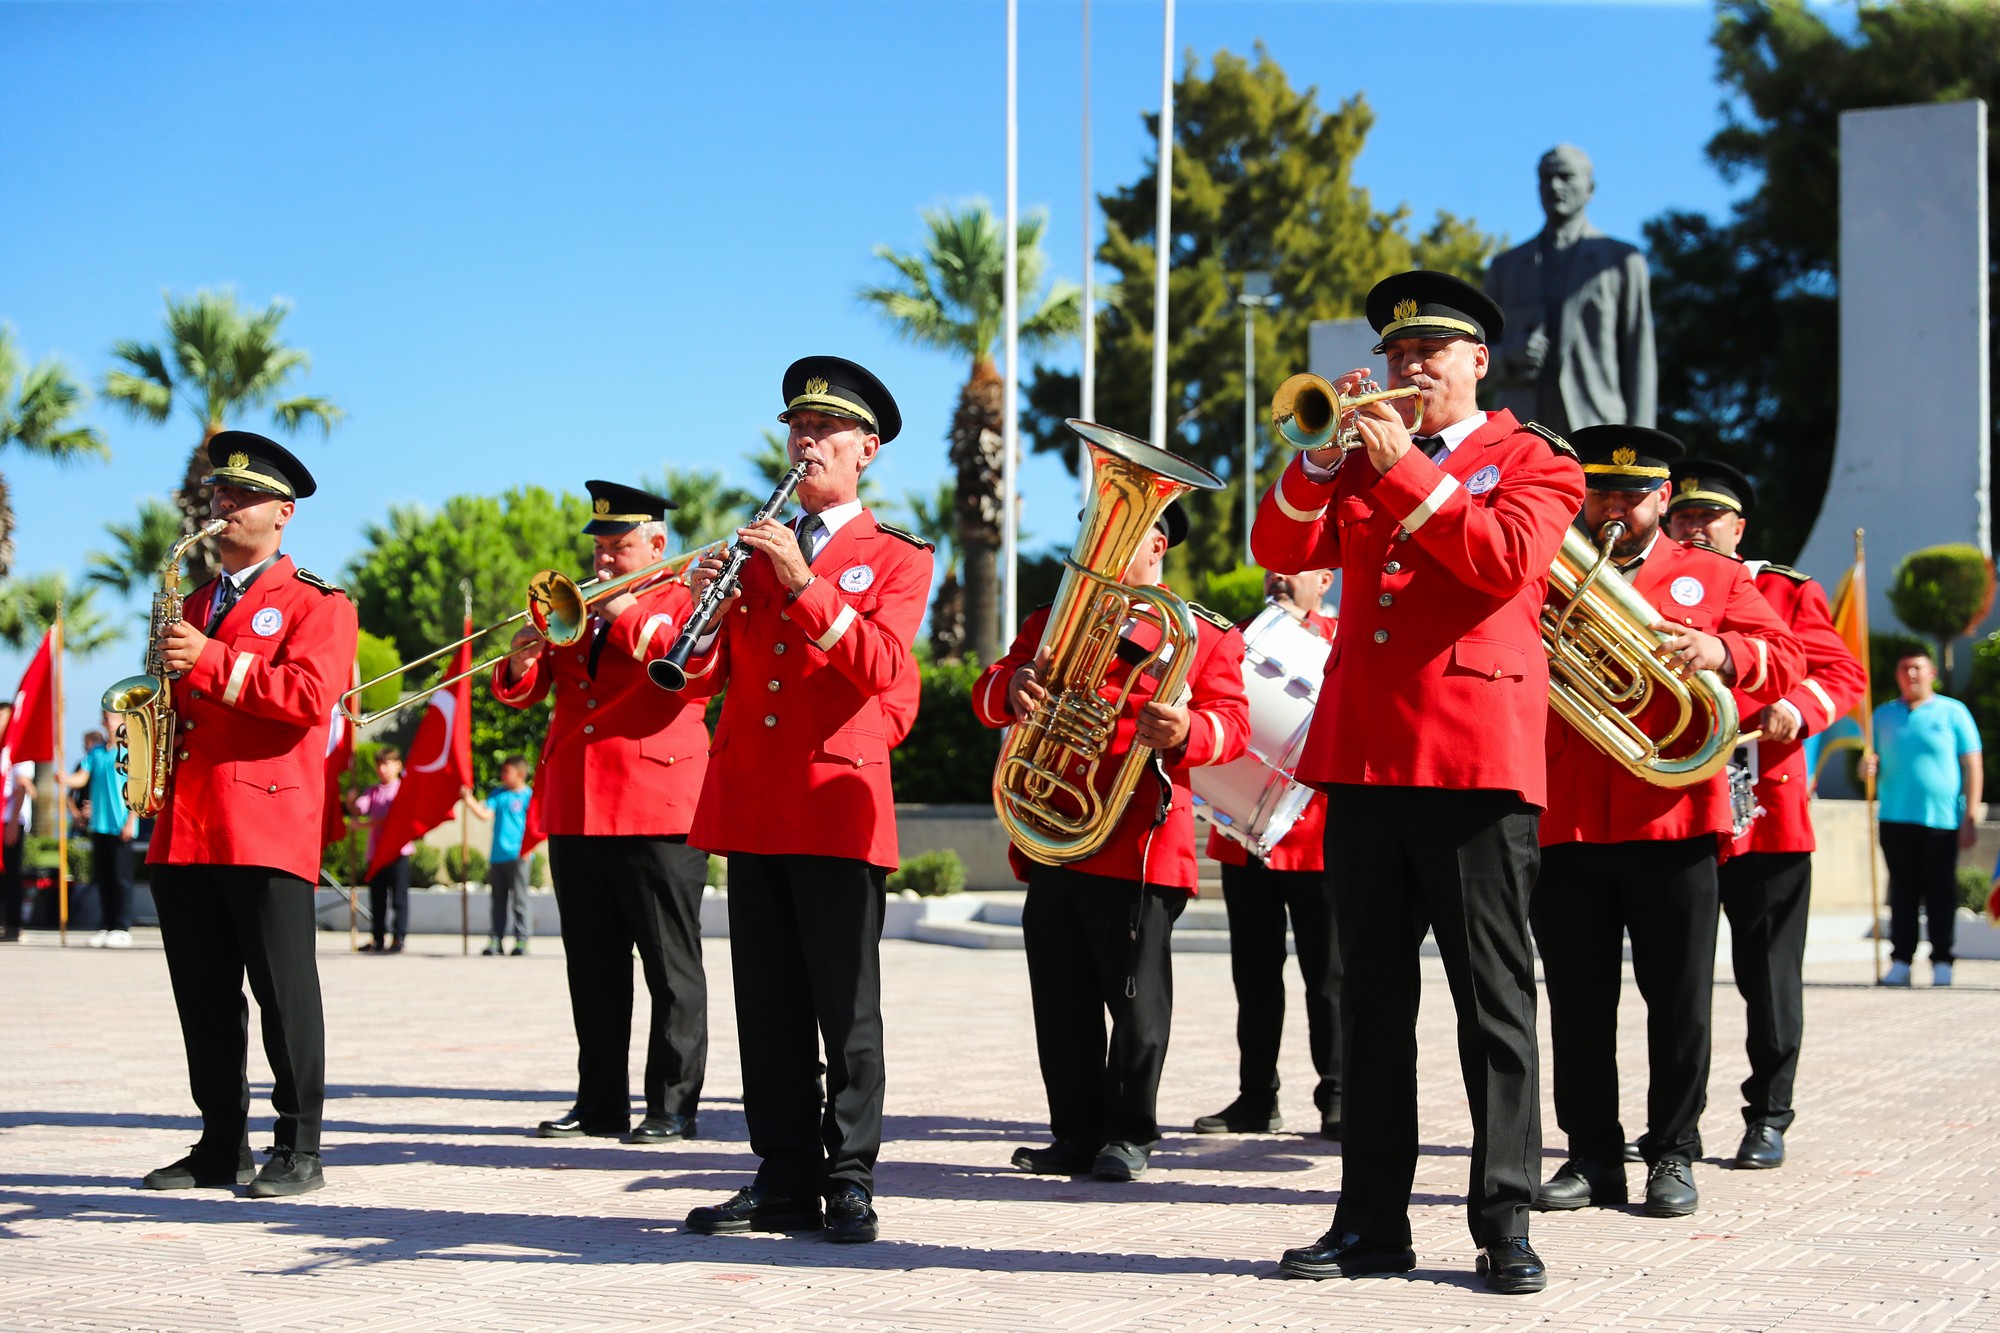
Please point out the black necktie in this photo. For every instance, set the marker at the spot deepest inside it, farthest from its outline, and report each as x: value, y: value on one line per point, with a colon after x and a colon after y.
x: 810, y: 528
x: 226, y: 594
x: 1432, y: 445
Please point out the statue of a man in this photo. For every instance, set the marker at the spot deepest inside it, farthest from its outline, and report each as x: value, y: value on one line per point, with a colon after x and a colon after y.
x: 1579, y: 344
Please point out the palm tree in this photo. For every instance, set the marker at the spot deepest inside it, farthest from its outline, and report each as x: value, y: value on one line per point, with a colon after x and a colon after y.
x: 35, y: 408
x: 951, y: 297
x: 709, y: 508
x: 934, y: 517
x: 221, y: 360
x: 28, y: 608
x: 142, y: 547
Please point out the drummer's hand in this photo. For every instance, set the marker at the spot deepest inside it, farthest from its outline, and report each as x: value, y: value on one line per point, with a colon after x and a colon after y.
x: 1025, y: 691
x: 1162, y: 726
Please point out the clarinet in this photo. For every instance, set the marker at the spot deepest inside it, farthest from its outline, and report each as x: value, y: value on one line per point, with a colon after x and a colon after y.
x: 670, y: 672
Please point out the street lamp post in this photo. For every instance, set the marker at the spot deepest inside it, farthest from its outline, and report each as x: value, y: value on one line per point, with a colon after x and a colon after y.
x: 1256, y: 292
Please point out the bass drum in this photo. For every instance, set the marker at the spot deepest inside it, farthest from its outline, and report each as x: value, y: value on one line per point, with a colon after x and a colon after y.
x: 1253, y: 800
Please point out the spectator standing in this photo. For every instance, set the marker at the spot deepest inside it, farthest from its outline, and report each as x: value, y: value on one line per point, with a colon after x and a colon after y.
x: 1927, y: 762
x: 111, y: 826
x: 17, y: 795
x: 507, y: 873
x: 389, y: 891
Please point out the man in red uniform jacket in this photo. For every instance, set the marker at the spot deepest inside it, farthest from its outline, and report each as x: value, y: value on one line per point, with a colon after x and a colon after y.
x: 1258, y: 894
x: 1099, y: 930
x: 619, y: 774
x: 812, y: 644
x: 1766, y: 880
x: 1622, y: 855
x: 260, y: 655
x: 1427, y: 741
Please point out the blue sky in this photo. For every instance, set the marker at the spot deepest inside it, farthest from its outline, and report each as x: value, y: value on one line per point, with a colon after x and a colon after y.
x: 533, y: 243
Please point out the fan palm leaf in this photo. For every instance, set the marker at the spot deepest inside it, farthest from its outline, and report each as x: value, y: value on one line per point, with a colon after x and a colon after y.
x: 37, y: 407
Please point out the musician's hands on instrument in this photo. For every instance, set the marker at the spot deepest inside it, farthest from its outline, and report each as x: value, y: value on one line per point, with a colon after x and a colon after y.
x: 1382, y: 431
x: 1780, y: 724
x: 524, y: 651
x: 180, y: 647
x: 780, y: 546
x: 706, y: 571
x: 1163, y: 726
x: 1330, y: 456
x: 1025, y: 692
x: 613, y: 607
x: 1688, y: 650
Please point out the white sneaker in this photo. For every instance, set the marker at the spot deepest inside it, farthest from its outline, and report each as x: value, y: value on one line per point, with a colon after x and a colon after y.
x: 118, y: 939
x: 1940, y: 974
x: 97, y: 941
x: 1897, y: 975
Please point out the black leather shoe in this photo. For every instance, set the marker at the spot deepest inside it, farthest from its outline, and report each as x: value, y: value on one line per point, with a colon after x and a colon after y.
x: 1579, y: 1184
x: 1762, y: 1149
x: 573, y: 1124
x: 662, y: 1129
x: 1511, y: 1267
x: 1120, y: 1161
x: 1632, y: 1153
x: 198, y: 1171
x: 1060, y: 1158
x: 751, y: 1209
x: 286, y: 1174
x: 1331, y: 1128
x: 1239, y: 1117
x: 850, y: 1218
x: 1670, y: 1189
x: 1337, y: 1255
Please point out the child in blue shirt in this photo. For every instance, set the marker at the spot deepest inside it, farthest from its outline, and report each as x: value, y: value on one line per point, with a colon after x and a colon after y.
x: 507, y: 875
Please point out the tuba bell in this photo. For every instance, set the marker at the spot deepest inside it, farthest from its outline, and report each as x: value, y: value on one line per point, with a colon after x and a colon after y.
x: 1045, y: 786
x: 1605, y: 674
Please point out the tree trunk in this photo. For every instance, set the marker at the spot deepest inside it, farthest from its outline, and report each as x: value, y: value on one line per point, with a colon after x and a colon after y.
x: 6, y: 531
x: 977, y: 455
x: 192, y: 499
x: 948, y: 620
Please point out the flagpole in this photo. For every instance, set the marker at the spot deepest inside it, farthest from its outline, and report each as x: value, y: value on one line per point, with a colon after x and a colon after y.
x: 464, y: 859
x: 62, y: 793
x: 1858, y: 589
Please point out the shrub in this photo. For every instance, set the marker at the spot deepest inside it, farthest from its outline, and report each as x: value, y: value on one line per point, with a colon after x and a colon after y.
x: 718, y: 870
x: 1982, y: 696
x: 538, y: 871
x: 40, y: 854
x: 1942, y: 592
x: 473, y: 871
x: 948, y: 755
x: 936, y: 874
x: 1973, y: 884
x: 425, y: 863
x: 1236, y: 594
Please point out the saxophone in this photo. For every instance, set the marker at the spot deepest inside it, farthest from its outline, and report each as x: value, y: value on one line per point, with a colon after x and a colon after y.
x: 146, y: 737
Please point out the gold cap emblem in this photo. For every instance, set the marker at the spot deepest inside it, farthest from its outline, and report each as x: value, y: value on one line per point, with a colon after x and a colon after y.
x: 604, y: 506
x: 1405, y: 309
x: 239, y: 459
x: 1624, y: 457
x: 1689, y: 485
x: 816, y: 385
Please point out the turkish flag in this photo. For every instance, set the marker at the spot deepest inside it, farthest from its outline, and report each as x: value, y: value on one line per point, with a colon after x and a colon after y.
x: 339, y: 757
x: 532, y: 834
x: 439, y: 767
x: 32, y: 733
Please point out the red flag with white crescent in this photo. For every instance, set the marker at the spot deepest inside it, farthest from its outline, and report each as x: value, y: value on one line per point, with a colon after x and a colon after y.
x: 32, y: 732
x: 439, y: 767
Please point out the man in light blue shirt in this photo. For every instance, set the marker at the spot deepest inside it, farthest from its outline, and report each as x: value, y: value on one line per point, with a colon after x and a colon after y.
x: 111, y: 830
x: 1929, y: 767
x: 507, y: 874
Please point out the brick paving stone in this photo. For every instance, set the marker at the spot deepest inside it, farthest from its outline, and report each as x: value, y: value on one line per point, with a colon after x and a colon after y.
x: 443, y: 1213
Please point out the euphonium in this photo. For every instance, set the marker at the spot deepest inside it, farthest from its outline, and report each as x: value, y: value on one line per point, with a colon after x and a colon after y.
x: 144, y: 700
x: 1309, y: 413
x: 1045, y: 786
x: 1606, y: 678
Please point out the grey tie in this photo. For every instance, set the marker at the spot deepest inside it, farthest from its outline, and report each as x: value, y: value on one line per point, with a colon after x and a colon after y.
x: 811, y: 529
x: 226, y: 594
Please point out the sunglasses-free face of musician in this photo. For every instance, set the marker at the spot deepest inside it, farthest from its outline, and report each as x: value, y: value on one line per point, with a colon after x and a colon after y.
x: 839, y: 450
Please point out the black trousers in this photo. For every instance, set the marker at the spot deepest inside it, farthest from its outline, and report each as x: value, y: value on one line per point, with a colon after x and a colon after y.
x: 111, y: 867
x: 1082, y: 963
x: 1258, y: 900
x: 805, y: 948
x: 11, y: 894
x: 1460, y: 864
x: 1766, y: 896
x: 1923, y: 872
x: 222, y: 925
x: 615, y: 894
x: 389, y: 898
x: 1590, y: 897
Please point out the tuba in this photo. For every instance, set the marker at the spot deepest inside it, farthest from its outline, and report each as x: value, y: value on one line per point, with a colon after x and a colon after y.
x: 147, y: 758
x: 1045, y: 786
x: 1604, y: 673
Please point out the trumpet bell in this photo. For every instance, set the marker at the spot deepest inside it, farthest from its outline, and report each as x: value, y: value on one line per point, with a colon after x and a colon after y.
x: 1309, y: 413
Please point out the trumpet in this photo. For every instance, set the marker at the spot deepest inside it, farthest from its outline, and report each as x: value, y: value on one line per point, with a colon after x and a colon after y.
x: 558, y: 609
x: 1309, y: 413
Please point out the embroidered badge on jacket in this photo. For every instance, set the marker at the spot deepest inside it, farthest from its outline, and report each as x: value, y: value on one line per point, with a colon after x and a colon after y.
x: 857, y: 579
x: 1686, y: 590
x: 268, y: 621
x: 1483, y: 480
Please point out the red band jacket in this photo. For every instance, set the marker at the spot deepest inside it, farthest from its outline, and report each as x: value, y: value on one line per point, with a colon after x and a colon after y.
x: 1218, y: 729
x: 1304, y: 846
x: 249, y: 783
x: 1832, y: 687
x: 1591, y: 798
x: 1438, y: 678
x: 800, y: 761
x: 623, y: 758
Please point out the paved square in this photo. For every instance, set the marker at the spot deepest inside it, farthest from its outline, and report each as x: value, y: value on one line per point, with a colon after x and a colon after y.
x: 441, y: 1212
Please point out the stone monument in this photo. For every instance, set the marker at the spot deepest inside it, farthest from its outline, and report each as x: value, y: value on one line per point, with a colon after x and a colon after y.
x: 1578, y: 349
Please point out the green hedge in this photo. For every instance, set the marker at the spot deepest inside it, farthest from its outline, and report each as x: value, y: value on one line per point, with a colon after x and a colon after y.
x: 936, y: 874
x: 948, y: 756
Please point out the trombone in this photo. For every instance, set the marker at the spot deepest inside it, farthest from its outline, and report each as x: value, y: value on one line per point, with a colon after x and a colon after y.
x: 1309, y: 413
x: 558, y: 609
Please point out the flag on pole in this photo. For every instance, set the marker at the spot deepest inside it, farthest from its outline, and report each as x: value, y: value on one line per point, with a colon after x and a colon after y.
x: 32, y: 733
x: 440, y: 767
x: 1850, y: 621
x: 339, y: 758
x: 532, y: 833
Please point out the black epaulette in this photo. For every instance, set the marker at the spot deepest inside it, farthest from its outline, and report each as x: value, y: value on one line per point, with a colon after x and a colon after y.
x: 1701, y: 545
x: 910, y: 537
x: 1556, y: 442
x: 1795, y: 575
x: 307, y: 577
x: 1213, y: 618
